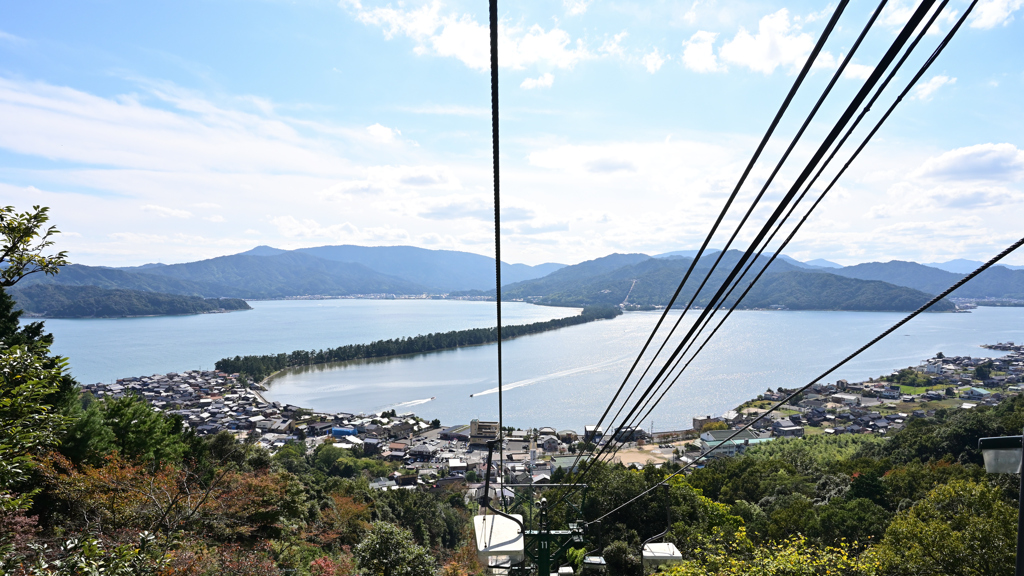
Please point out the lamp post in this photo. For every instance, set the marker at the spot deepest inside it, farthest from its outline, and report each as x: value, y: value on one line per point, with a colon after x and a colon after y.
x: 1003, y: 455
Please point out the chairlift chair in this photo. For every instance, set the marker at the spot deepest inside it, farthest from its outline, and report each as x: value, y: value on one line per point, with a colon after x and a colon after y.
x: 656, y: 554
x: 499, y: 541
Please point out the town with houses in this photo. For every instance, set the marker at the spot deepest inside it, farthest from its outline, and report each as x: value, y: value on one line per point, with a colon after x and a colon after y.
x: 429, y: 456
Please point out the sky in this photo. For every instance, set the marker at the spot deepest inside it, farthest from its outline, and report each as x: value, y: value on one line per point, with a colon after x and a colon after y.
x: 177, y: 131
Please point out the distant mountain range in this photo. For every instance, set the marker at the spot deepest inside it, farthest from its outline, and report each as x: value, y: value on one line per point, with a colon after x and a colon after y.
x: 961, y: 266
x: 644, y: 281
x: 270, y: 273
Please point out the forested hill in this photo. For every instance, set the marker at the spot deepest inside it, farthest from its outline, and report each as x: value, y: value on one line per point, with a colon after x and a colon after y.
x: 340, y: 271
x: 998, y: 282
x: 652, y: 281
x: 259, y: 367
x: 254, y: 277
x: 267, y: 273
x: 57, y: 301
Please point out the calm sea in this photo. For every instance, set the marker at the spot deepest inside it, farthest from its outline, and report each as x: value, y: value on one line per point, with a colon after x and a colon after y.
x: 565, y: 378
x: 562, y: 378
x: 102, y: 350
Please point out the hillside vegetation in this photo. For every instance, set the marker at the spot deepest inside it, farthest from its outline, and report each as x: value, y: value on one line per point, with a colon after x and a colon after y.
x: 58, y: 301
x: 339, y: 271
x: 652, y: 281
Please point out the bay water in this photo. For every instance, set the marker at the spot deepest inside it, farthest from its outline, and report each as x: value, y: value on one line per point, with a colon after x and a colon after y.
x: 104, y: 349
x: 563, y: 378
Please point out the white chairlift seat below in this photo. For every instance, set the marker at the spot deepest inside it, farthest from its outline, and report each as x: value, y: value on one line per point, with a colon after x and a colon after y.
x: 499, y: 542
x: 659, y: 553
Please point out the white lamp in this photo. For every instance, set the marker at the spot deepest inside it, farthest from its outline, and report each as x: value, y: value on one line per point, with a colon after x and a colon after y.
x: 1002, y: 454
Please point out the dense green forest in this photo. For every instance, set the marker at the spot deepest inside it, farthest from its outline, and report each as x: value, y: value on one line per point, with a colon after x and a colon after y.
x: 59, y: 301
x: 259, y: 367
x: 916, y: 502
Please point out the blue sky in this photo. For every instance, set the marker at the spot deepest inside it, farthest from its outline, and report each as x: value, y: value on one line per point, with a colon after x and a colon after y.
x: 162, y: 131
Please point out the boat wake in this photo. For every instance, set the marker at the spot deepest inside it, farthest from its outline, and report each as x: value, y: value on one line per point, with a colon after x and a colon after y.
x: 412, y: 403
x: 553, y: 376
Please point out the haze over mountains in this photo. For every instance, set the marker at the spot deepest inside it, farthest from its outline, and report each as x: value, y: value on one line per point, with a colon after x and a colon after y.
x: 333, y: 271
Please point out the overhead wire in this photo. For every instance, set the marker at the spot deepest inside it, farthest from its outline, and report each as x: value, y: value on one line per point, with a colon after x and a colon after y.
x: 764, y: 188
x: 888, y: 112
x: 493, y: 10
x: 890, y: 55
x: 776, y: 252
x: 821, y: 376
x: 750, y: 165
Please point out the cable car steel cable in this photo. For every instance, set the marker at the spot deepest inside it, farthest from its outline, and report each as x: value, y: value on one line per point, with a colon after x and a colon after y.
x: 890, y: 54
x: 785, y: 243
x: 493, y: 18
x: 757, y: 152
x: 835, y: 367
x: 796, y: 138
x: 885, y: 116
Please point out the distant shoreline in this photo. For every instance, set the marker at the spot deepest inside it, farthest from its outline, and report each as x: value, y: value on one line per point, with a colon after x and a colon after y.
x: 44, y: 317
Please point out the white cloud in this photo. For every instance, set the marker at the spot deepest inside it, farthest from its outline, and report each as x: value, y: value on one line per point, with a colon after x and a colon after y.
x: 777, y: 43
x: 382, y: 134
x: 991, y: 13
x: 653, y: 61
x: 698, y: 53
x: 214, y: 218
x: 962, y: 198
x: 462, y: 37
x: 613, y: 47
x: 544, y: 81
x: 576, y: 7
x: 609, y: 165
x: 691, y: 15
x: 292, y: 227
x: 164, y: 211
x: 8, y: 37
x: 924, y: 90
x: 457, y: 208
x: 993, y: 162
x: 194, y: 135
x: 309, y: 229
x: 827, y: 61
x: 898, y: 12
x: 858, y: 71
x: 541, y: 228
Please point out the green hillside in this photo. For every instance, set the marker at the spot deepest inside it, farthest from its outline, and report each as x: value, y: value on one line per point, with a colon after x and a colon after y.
x: 57, y: 301
x: 287, y: 274
x: 996, y: 282
x: 652, y: 281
